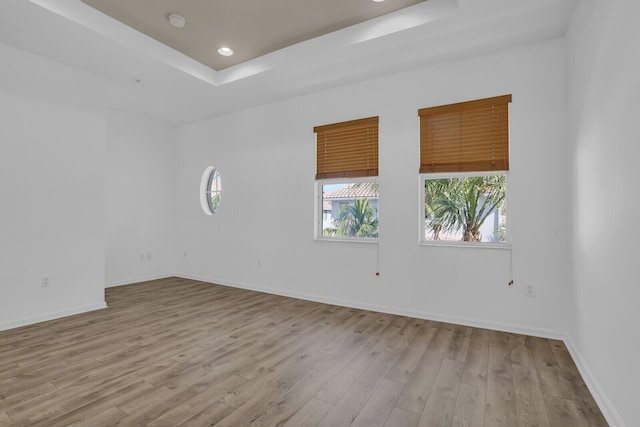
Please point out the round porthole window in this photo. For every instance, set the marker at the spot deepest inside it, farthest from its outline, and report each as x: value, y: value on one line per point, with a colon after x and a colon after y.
x: 210, y: 190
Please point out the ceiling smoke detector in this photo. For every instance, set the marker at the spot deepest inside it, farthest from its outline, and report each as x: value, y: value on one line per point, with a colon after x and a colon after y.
x: 176, y: 20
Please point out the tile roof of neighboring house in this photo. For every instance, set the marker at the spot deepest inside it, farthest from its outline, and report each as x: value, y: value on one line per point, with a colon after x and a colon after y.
x: 355, y: 190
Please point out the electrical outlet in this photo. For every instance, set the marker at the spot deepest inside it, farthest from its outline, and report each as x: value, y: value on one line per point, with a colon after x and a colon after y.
x: 141, y: 257
x: 259, y: 262
x: 530, y: 291
x: 45, y: 282
x: 148, y: 256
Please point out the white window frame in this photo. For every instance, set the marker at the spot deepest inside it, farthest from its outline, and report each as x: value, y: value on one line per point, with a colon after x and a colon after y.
x: 318, y: 217
x: 422, y: 221
x: 205, y: 189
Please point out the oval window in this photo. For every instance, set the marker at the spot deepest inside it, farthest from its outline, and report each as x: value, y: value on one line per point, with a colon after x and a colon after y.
x: 210, y: 190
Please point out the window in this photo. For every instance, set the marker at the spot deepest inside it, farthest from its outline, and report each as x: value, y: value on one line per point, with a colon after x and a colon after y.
x: 346, y: 180
x: 349, y: 209
x: 469, y: 208
x: 210, y: 190
x: 464, y: 164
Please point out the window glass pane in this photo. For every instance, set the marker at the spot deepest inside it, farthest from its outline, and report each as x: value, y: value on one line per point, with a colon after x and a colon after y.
x: 350, y: 210
x: 468, y: 209
x: 214, y: 190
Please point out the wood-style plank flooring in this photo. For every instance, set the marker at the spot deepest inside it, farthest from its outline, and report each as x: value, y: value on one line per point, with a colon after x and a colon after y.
x: 179, y: 352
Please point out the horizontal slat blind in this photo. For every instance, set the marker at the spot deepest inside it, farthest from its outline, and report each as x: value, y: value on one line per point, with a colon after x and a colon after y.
x: 347, y: 149
x: 469, y: 136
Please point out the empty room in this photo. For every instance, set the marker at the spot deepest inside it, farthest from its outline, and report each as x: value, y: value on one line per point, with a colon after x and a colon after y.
x: 319, y: 213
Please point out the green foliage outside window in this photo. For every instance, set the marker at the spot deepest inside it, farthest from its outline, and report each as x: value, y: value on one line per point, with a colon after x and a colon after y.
x: 460, y: 206
x: 356, y: 219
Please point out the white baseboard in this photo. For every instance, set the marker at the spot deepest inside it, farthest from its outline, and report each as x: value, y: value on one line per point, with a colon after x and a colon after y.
x: 603, y: 401
x: 125, y: 282
x: 439, y: 317
x: 51, y: 316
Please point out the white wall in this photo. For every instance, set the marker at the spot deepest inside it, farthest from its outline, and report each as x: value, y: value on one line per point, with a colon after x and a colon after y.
x: 139, y: 199
x: 72, y: 174
x: 52, y: 210
x: 266, y: 159
x: 604, y: 65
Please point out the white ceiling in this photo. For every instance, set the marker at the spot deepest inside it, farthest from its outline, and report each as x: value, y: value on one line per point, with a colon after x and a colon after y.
x: 123, y: 69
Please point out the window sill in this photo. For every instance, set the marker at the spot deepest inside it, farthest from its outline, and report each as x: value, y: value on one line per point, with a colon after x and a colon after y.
x: 499, y: 246
x: 338, y: 240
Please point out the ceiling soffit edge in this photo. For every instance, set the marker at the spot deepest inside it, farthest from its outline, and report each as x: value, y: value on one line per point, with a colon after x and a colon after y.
x: 329, y: 44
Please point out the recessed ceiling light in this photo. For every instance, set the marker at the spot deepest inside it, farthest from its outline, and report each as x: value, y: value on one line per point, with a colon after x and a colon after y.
x: 378, y: 1
x: 225, y: 51
x: 176, y: 20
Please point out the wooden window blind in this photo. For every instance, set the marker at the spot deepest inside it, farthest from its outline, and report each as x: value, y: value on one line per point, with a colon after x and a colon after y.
x: 347, y: 149
x: 468, y: 136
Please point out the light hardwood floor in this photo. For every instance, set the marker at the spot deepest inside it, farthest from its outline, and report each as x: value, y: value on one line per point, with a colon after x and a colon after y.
x: 179, y: 352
